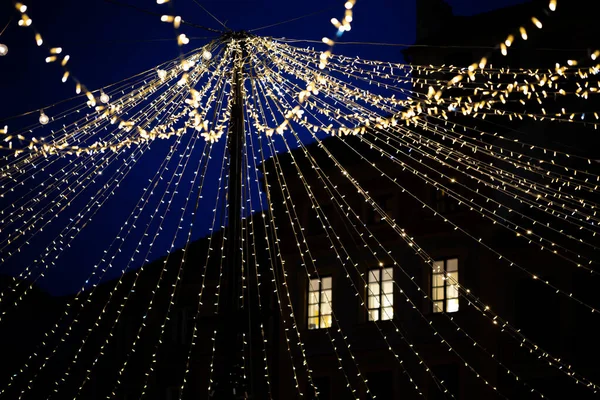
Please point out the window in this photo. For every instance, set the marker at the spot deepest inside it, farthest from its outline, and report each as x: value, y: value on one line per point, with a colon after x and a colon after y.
x: 173, y: 393
x: 380, y: 294
x: 444, y: 203
x: 316, y: 221
x: 444, y: 292
x: 536, y: 314
x: 178, y: 326
x: 319, y: 303
x: 182, y: 325
x: 386, y: 203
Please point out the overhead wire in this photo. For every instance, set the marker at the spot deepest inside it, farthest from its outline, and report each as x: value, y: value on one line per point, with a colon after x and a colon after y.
x: 292, y: 19
x: 143, y: 10
x: 209, y: 13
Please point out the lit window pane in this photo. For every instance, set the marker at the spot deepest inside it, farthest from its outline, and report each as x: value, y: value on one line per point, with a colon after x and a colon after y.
x: 388, y: 287
x: 452, y: 305
x: 380, y: 294
x: 325, y: 321
x: 326, y: 296
x: 437, y: 293
x: 319, y: 303
x: 438, y: 280
x: 314, y: 285
x: 374, y: 315
x: 313, y: 298
x: 374, y: 275
x: 373, y: 289
x: 374, y: 301
x: 387, y: 299
x: 444, y: 286
x: 388, y: 313
x: 452, y: 265
x: 388, y: 274
x: 452, y: 278
x: 451, y: 291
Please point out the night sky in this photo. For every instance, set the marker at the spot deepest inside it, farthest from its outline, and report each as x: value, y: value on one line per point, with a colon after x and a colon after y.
x: 108, y: 42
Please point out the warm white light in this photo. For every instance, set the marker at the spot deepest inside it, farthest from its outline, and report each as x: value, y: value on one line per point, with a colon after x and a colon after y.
x: 104, y: 98
x: 44, y: 118
x: 183, y: 39
x: 207, y: 55
x: 3, y: 49
x: 162, y: 74
x: 523, y: 33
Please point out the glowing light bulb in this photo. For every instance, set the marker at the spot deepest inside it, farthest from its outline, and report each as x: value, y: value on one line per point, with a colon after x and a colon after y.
x: 207, y: 55
x: 44, y: 118
x: 3, y: 49
x: 182, y: 39
x: 104, y: 98
x: 162, y: 74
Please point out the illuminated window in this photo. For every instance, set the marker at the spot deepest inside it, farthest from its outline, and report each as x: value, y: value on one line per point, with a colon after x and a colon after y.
x: 319, y: 303
x: 444, y: 292
x: 380, y: 294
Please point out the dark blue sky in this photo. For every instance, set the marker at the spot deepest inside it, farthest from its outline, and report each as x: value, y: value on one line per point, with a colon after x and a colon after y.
x: 108, y: 43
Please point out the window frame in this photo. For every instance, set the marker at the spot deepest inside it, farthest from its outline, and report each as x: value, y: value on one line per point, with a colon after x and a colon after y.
x: 443, y: 203
x: 383, y: 200
x: 380, y: 295
x: 321, y: 322
x: 446, y: 287
x: 316, y: 225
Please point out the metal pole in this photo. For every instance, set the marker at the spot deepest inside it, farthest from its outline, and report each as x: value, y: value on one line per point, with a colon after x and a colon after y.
x: 229, y: 384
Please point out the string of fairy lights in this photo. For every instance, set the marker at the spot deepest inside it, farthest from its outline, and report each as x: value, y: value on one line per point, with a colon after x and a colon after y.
x: 280, y: 95
x: 304, y: 263
x: 397, y: 119
x: 463, y: 199
x: 358, y: 291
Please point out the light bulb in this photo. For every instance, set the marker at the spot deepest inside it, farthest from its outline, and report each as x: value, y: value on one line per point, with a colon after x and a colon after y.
x: 44, y: 118
x: 162, y: 74
x: 104, y: 98
x: 207, y: 55
x: 3, y: 49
